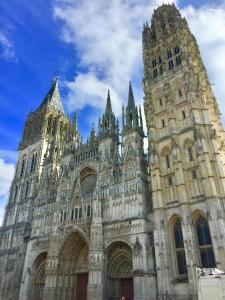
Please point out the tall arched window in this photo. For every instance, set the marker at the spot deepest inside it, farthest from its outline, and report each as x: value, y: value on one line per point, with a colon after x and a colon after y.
x: 205, y: 243
x: 15, y: 192
x: 22, y: 167
x: 26, y: 189
x: 179, y: 248
x: 33, y: 162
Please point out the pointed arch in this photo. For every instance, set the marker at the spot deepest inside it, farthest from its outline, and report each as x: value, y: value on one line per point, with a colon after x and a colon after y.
x: 119, y: 270
x: 37, y: 276
x: 204, y: 240
x: 73, y: 264
x: 178, y: 245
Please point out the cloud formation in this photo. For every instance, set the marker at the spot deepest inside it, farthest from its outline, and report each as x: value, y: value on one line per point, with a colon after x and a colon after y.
x: 107, y: 37
x: 6, y: 176
x: 7, y: 51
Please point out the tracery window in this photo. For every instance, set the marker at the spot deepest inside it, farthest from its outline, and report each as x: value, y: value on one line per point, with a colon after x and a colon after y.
x: 22, y: 168
x: 15, y: 193
x: 190, y: 154
x: 33, y: 162
x: 167, y: 161
x: 26, y: 189
x: 179, y: 248
x: 205, y: 243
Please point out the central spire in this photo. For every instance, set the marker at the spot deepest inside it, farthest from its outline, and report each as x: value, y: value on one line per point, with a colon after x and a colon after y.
x: 53, y: 98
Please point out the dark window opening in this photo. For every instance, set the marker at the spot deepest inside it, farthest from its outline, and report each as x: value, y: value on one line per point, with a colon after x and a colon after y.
x: 176, y: 50
x: 163, y: 123
x: 154, y: 63
x: 169, y: 54
x: 64, y: 216
x: 22, y: 168
x: 179, y: 245
x: 205, y: 243
x: 190, y: 154
x: 61, y: 216
x: 72, y: 214
x: 27, y: 189
x: 170, y: 181
x: 160, y: 70
x: 171, y: 65
x: 194, y: 174
x: 16, y: 191
x: 155, y: 73
x: 178, y: 60
x: 167, y: 161
x: 184, y: 114
x: 80, y: 212
x: 160, y: 102
x: 88, y: 210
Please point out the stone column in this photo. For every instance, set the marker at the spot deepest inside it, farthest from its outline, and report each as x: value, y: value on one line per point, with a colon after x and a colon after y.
x: 96, y: 258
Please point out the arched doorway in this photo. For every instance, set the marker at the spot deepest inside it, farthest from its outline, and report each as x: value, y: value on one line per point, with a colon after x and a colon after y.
x: 38, y: 277
x: 73, y: 268
x: 119, y: 272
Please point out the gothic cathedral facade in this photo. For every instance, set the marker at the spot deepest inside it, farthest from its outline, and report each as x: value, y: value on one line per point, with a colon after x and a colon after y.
x: 104, y: 220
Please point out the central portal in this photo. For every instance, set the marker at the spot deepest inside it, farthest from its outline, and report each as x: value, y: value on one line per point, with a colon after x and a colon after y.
x: 73, y: 268
x: 81, y: 286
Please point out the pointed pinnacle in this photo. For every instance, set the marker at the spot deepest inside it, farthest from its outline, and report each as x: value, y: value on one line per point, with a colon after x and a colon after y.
x: 130, y: 96
x: 108, y: 103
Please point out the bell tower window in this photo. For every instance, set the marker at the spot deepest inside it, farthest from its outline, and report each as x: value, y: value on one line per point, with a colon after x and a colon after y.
x: 205, y: 243
x: 155, y: 70
x: 177, y: 53
x: 170, y: 59
x: 22, y: 167
x: 179, y: 248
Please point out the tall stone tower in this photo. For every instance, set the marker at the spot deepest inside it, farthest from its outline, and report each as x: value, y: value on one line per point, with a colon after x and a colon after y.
x: 39, y: 153
x: 186, y: 147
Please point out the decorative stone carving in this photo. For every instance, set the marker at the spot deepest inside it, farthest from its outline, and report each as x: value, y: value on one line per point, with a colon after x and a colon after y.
x: 137, y: 251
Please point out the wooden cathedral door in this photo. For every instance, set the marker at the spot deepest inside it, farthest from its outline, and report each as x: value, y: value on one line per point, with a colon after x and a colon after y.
x: 81, y: 288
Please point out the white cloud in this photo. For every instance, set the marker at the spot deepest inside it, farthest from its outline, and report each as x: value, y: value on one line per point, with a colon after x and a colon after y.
x: 7, y: 51
x: 107, y: 37
x: 6, y: 176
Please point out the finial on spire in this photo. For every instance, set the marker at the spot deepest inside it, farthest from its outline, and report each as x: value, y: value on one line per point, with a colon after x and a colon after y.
x: 108, y: 103
x: 130, y: 96
x: 55, y: 79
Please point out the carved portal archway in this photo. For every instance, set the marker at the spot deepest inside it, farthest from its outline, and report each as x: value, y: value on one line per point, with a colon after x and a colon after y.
x: 72, y: 273
x: 119, y: 271
x: 37, y: 277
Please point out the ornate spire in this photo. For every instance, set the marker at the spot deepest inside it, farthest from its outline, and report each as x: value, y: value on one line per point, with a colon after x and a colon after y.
x: 131, y: 103
x: 53, y: 98
x: 107, y: 125
x: 133, y: 120
x: 108, y: 104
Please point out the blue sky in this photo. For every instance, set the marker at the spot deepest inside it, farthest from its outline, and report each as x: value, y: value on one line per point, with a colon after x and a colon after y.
x: 93, y: 46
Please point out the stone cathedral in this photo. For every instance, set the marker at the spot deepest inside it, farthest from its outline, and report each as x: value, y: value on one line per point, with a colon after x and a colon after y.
x: 101, y: 219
